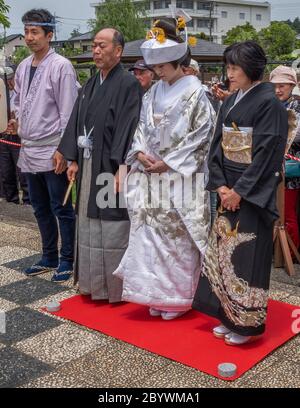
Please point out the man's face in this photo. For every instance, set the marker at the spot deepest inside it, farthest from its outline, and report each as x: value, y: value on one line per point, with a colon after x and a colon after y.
x: 105, y: 53
x: 144, y: 76
x: 36, y: 38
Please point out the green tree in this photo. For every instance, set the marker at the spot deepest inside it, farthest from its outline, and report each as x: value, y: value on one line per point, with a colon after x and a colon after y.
x: 20, y: 54
x: 202, y: 36
x: 75, y: 33
x: 278, y: 39
x: 125, y: 15
x: 241, y: 33
x: 69, y: 51
x: 4, y: 9
x: 295, y: 25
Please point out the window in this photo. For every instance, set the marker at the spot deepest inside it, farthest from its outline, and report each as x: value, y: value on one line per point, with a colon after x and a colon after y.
x: 161, y: 4
x: 203, y: 23
x: 158, y: 4
x: 258, y: 17
x: 147, y: 5
x: 190, y: 24
x: 242, y: 16
x: 224, y: 14
x: 185, y: 4
x: 203, y: 5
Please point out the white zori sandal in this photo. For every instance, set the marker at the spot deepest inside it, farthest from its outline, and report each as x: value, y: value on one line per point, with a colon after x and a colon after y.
x: 220, y: 332
x: 234, y: 339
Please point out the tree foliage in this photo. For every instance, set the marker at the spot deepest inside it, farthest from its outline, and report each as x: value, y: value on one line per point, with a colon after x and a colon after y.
x: 295, y: 25
x: 75, y: 33
x: 124, y: 15
x: 241, y: 33
x: 20, y: 54
x: 4, y: 9
x: 278, y: 39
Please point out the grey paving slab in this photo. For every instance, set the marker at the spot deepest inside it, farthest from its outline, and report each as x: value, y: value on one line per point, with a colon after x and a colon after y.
x: 114, y: 365
x: 21, y: 264
x: 29, y: 290
x: 180, y: 376
x: 18, y: 368
x: 61, y: 344
x: 23, y: 323
x: 9, y: 276
x: 13, y: 252
x: 6, y: 306
x: 283, y: 374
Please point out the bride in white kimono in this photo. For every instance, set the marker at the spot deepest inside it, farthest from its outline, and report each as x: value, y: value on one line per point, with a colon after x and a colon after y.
x: 162, y: 264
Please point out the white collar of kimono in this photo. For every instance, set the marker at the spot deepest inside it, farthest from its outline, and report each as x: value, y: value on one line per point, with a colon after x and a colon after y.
x: 242, y: 93
x: 101, y: 78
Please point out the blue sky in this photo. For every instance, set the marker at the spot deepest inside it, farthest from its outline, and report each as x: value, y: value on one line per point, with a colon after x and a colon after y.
x: 77, y: 12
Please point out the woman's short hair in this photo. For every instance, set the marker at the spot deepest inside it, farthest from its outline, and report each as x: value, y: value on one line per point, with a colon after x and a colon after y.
x: 249, y: 56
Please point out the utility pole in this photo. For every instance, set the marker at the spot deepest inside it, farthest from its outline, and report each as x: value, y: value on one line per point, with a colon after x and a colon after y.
x: 55, y: 31
x: 211, y: 22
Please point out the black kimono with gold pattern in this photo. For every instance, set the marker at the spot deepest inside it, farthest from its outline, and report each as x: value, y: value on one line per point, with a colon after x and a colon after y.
x: 234, y: 282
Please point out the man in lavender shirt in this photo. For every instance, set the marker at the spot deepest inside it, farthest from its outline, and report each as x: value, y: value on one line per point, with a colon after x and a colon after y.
x: 45, y: 94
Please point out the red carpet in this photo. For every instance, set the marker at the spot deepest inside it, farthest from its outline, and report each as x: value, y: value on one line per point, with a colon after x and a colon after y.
x: 187, y: 340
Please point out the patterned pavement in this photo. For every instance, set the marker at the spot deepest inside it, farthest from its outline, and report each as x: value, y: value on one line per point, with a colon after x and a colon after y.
x: 39, y: 350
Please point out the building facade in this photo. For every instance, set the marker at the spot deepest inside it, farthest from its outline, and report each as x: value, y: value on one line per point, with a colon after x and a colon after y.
x: 13, y: 42
x: 213, y: 18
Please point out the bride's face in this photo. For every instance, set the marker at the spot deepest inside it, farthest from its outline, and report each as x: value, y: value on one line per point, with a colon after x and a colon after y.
x: 167, y: 72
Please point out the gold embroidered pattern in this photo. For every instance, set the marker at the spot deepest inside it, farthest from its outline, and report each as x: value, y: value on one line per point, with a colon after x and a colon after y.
x: 237, y: 146
x: 235, y: 294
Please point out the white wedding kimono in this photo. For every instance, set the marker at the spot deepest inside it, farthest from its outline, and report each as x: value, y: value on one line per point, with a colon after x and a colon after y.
x: 162, y: 263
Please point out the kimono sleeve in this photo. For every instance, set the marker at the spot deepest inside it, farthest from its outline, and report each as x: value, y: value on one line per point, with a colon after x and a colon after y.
x: 65, y: 91
x: 68, y: 144
x: 259, y: 181
x: 215, y: 159
x: 127, y: 117
x: 139, y: 143
x: 190, y: 153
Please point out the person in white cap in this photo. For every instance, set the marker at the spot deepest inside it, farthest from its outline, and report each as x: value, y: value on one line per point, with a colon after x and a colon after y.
x: 162, y: 264
x: 192, y: 68
x: 285, y: 79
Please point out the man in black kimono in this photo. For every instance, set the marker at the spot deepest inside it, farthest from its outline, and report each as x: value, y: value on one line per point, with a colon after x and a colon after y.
x: 96, y: 141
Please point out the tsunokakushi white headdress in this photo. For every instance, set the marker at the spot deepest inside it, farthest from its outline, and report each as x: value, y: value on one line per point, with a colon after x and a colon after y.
x: 159, y: 49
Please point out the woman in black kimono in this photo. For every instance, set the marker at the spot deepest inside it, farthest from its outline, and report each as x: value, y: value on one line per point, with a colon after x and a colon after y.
x: 245, y: 160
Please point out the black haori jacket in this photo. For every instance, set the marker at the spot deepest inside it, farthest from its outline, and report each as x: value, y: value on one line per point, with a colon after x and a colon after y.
x: 113, y: 109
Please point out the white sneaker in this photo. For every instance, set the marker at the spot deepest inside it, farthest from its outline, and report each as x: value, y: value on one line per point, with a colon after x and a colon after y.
x: 220, y: 331
x: 154, y: 312
x: 172, y: 315
x: 234, y: 339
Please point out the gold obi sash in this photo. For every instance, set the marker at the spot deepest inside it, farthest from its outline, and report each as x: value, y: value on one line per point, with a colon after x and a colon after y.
x: 237, y: 145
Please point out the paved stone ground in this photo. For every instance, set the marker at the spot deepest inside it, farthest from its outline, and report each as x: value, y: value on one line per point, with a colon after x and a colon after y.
x: 44, y: 351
